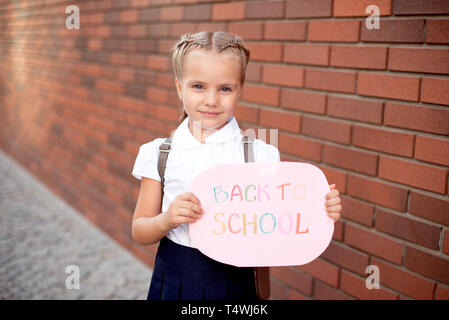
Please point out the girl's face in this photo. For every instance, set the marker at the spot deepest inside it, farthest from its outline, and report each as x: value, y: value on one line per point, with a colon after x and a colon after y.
x: 209, y: 89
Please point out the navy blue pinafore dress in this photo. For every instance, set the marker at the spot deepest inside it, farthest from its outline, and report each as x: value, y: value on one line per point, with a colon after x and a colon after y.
x: 185, y: 273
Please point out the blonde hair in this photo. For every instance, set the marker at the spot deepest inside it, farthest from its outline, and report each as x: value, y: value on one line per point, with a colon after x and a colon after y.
x: 216, y: 41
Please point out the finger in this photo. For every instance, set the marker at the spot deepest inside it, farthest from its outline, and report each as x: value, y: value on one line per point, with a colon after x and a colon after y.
x: 192, y: 197
x: 184, y: 219
x: 190, y: 213
x: 334, y: 216
x: 332, y: 186
x: 333, y: 201
x: 192, y: 206
x: 335, y: 209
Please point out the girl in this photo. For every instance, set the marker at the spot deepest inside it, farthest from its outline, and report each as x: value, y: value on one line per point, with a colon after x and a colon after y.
x: 209, y: 76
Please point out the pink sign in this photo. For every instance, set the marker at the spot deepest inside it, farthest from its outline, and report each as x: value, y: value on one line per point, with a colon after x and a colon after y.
x: 262, y: 214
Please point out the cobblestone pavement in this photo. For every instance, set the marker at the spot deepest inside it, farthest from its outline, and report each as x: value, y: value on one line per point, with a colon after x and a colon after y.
x: 40, y: 235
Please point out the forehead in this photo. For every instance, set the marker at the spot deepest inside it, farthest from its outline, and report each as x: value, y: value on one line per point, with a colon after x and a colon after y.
x: 211, y: 67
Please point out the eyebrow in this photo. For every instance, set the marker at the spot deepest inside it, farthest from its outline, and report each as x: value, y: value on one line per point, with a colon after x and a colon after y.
x: 223, y: 84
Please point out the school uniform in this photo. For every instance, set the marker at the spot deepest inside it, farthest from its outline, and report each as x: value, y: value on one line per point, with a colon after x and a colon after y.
x: 181, y: 271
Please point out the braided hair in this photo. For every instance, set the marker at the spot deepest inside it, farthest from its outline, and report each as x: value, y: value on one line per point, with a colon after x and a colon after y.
x: 218, y: 41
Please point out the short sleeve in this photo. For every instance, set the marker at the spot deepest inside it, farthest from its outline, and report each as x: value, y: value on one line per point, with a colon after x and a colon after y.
x: 265, y: 152
x: 147, y: 159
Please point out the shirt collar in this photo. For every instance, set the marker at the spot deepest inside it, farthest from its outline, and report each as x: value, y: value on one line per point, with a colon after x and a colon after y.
x: 184, y: 138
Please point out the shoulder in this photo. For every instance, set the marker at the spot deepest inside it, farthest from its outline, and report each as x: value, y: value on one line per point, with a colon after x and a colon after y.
x: 151, y: 146
x: 265, y: 152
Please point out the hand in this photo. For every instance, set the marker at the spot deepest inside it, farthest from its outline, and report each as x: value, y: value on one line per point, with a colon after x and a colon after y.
x: 333, y: 206
x: 185, y: 208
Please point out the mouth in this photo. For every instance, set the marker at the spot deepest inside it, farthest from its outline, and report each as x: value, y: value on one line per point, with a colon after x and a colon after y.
x: 209, y: 114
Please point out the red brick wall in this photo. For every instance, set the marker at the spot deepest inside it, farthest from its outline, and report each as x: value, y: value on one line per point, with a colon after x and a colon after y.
x: 369, y: 107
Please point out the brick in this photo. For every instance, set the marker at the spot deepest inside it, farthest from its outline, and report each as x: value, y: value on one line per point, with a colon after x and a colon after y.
x: 306, y: 8
x: 354, y: 109
x: 112, y: 86
x: 158, y: 62
x: 228, y: 11
x: 409, y: 229
x: 373, y: 243
x: 303, y: 100
x: 337, y: 81
x: 359, y: 57
x: 280, y: 119
x: 419, y: 60
x: 197, y: 12
x: 310, y: 54
x: 357, y: 8
x: 335, y: 176
x: 247, y: 113
x: 254, y: 72
x: 293, y: 278
x: 357, y: 211
x: 350, y: 159
x: 421, y: 7
x: 417, y: 118
x: 445, y: 247
x: 261, y: 94
x: 429, y: 265
x: 415, y: 174
x: 396, y: 31
x: 338, y: 231
x: 270, y: 52
x: 387, y: 86
x: 429, y: 207
x: 247, y: 30
x: 435, y: 90
x: 156, y: 94
x: 326, y: 129
x: 442, y: 292
x: 150, y: 14
x: 295, y: 295
x: 382, y: 140
x: 285, y: 30
x: 403, y: 281
x: 437, y: 31
x: 356, y: 287
x: 283, y: 75
x: 264, y: 9
x: 211, y: 26
x: 322, y: 270
x: 159, y: 30
x: 129, y: 16
x: 171, y: 13
x: 432, y: 150
x: 334, y: 31
x: 322, y: 291
x: 378, y: 192
x: 278, y: 290
x: 299, y: 147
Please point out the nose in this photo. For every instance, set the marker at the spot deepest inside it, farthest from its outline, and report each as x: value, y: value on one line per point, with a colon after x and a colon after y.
x: 211, y: 98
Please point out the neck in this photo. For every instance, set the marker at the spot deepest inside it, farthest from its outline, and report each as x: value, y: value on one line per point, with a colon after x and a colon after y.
x: 200, y: 133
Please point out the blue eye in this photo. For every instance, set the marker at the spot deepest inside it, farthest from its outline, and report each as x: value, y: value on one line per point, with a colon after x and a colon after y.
x: 229, y: 90
x: 197, y: 85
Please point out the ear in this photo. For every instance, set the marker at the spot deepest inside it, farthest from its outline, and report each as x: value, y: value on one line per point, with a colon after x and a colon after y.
x: 178, y: 88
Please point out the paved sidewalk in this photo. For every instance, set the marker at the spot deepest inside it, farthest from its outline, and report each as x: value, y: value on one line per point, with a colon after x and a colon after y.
x: 40, y: 235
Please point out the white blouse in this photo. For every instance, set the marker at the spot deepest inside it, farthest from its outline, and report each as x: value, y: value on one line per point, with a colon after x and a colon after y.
x: 188, y: 157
